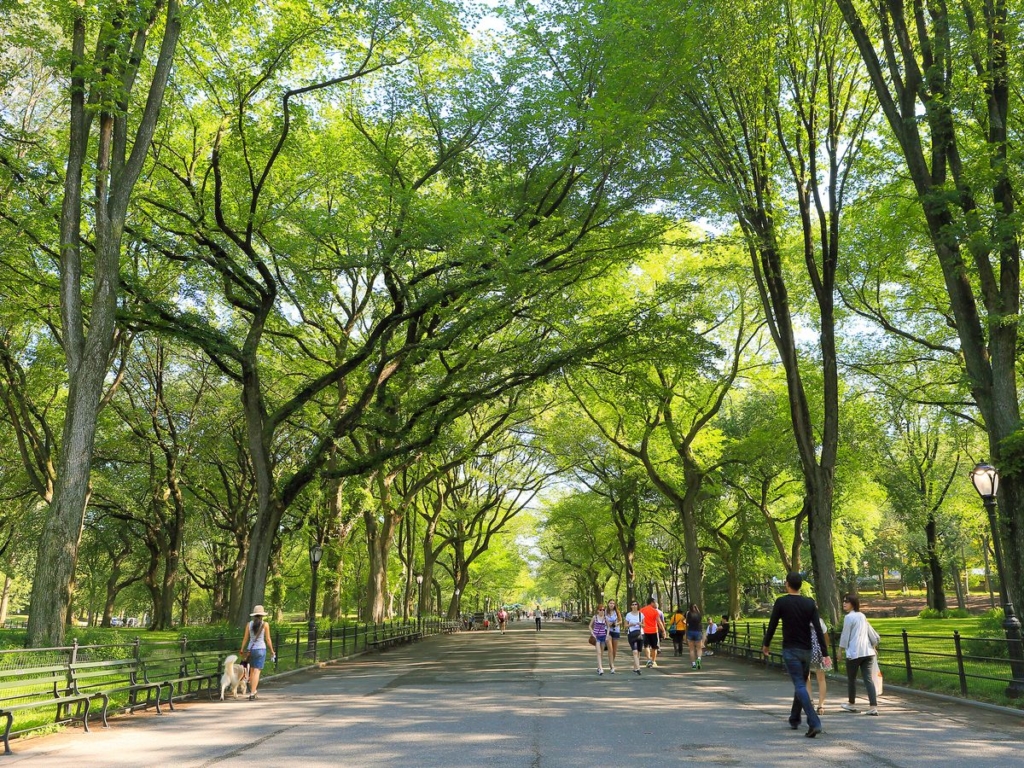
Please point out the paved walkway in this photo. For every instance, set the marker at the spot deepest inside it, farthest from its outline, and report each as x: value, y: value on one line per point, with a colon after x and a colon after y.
x: 533, y: 700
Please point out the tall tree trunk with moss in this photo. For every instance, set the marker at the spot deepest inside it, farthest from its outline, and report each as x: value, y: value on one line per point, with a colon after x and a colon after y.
x: 88, y: 341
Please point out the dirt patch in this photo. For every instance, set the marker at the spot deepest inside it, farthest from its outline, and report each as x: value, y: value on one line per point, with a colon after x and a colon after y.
x: 897, y: 604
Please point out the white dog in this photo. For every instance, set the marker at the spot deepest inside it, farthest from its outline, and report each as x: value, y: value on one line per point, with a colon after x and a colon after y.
x: 233, y: 677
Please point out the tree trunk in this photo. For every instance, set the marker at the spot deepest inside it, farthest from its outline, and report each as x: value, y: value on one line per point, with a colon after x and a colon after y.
x: 938, y: 592
x: 5, y: 599
x: 88, y: 351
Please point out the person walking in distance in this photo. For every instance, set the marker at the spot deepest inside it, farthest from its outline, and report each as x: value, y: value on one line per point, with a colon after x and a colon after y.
x: 635, y: 633
x: 695, y: 635
x: 858, y: 642
x: 654, y: 630
x: 502, y: 619
x: 614, y: 631
x: 599, y: 630
x: 257, y: 642
x: 799, y: 617
x: 677, y: 630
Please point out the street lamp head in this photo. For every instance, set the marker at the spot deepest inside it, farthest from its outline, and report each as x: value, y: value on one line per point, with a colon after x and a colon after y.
x: 419, y: 578
x: 316, y: 552
x: 685, y: 568
x: 986, y: 480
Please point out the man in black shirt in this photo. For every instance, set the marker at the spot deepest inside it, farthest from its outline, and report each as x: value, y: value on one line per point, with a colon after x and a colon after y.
x: 799, y: 617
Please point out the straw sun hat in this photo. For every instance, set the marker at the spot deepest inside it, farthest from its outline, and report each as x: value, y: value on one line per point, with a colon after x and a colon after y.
x: 258, y: 611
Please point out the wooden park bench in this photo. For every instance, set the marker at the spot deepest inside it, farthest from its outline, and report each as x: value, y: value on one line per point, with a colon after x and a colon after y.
x: 113, y: 677
x: 44, y: 685
x: 180, y: 673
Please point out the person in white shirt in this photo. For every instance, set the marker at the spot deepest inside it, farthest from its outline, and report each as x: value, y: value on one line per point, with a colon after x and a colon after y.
x: 635, y: 633
x: 712, y: 628
x: 858, y: 642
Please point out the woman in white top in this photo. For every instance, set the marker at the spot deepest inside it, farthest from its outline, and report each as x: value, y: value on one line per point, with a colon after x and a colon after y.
x: 614, y: 626
x: 635, y: 633
x: 858, y: 642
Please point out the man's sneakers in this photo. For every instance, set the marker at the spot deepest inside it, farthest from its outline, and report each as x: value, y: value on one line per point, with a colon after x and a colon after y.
x: 812, y: 732
x: 873, y: 711
x: 850, y: 708
x: 637, y: 671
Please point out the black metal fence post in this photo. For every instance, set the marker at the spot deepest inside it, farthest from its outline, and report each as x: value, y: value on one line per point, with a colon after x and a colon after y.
x: 906, y: 657
x: 298, y: 640
x: 960, y: 664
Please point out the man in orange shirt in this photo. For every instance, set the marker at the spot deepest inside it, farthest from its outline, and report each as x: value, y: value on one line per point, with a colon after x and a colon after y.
x: 654, y: 629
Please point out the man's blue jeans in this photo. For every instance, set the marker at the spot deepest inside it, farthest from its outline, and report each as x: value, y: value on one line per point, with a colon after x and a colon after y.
x: 798, y: 664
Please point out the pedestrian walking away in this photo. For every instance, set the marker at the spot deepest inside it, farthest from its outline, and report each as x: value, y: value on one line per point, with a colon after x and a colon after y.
x: 799, y: 616
x: 695, y: 635
x: 677, y: 630
x: 654, y: 630
x: 599, y: 631
x: 257, y: 645
x: 502, y: 620
x: 635, y: 633
x: 614, y: 631
x: 859, y: 642
x: 536, y: 618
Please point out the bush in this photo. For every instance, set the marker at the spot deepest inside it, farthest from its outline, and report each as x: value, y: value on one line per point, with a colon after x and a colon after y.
x: 950, y: 613
x: 990, y: 638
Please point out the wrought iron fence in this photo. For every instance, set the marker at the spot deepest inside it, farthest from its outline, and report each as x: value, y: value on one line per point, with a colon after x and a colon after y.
x: 969, y: 667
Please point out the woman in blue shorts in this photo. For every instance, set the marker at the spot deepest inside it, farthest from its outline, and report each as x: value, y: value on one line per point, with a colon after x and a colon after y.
x: 695, y: 635
x: 634, y: 632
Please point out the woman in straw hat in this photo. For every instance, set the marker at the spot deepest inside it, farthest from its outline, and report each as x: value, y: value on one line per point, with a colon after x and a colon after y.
x: 256, y: 643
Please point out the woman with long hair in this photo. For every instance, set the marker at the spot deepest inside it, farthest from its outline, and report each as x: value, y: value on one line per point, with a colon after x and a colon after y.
x: 614, y: 631
x: 599, y: 631
x: 257, y: 645
x: 695, y: 635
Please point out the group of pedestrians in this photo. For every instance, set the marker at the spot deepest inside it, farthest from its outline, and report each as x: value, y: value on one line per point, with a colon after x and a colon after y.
x: 805, y: 644
x: 805, y: 649
x: 645, y: 629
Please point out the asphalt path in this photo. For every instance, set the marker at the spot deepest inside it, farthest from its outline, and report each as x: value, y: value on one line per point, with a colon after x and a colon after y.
x: 533, y: 700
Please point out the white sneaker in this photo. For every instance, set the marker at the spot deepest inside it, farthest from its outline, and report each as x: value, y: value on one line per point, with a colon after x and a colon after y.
x: 850, y: 708
x: 612, y: 670
x: 872, y: 711
x: 600, y: 672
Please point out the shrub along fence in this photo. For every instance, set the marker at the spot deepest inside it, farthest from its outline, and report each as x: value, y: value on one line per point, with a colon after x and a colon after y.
x: 185, y: 667
x: 970, y: 667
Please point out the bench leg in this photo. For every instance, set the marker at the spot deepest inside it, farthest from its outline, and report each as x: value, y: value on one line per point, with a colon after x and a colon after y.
x: 170, y: 694
x: 7, y: 732
x: 106, y: 703
x: 85, y: 717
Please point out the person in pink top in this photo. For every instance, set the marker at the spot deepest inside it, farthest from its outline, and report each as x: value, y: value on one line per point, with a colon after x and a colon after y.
x: 599, y: 630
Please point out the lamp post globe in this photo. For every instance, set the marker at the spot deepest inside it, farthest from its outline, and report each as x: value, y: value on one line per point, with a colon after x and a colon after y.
x: 419, y: 596
x: 985, y: 479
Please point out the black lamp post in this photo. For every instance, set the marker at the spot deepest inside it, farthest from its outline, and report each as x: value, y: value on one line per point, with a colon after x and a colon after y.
x: 316, y: 552
x: 986, y: 482
x: 685, y: 568
x: 419, y: 597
